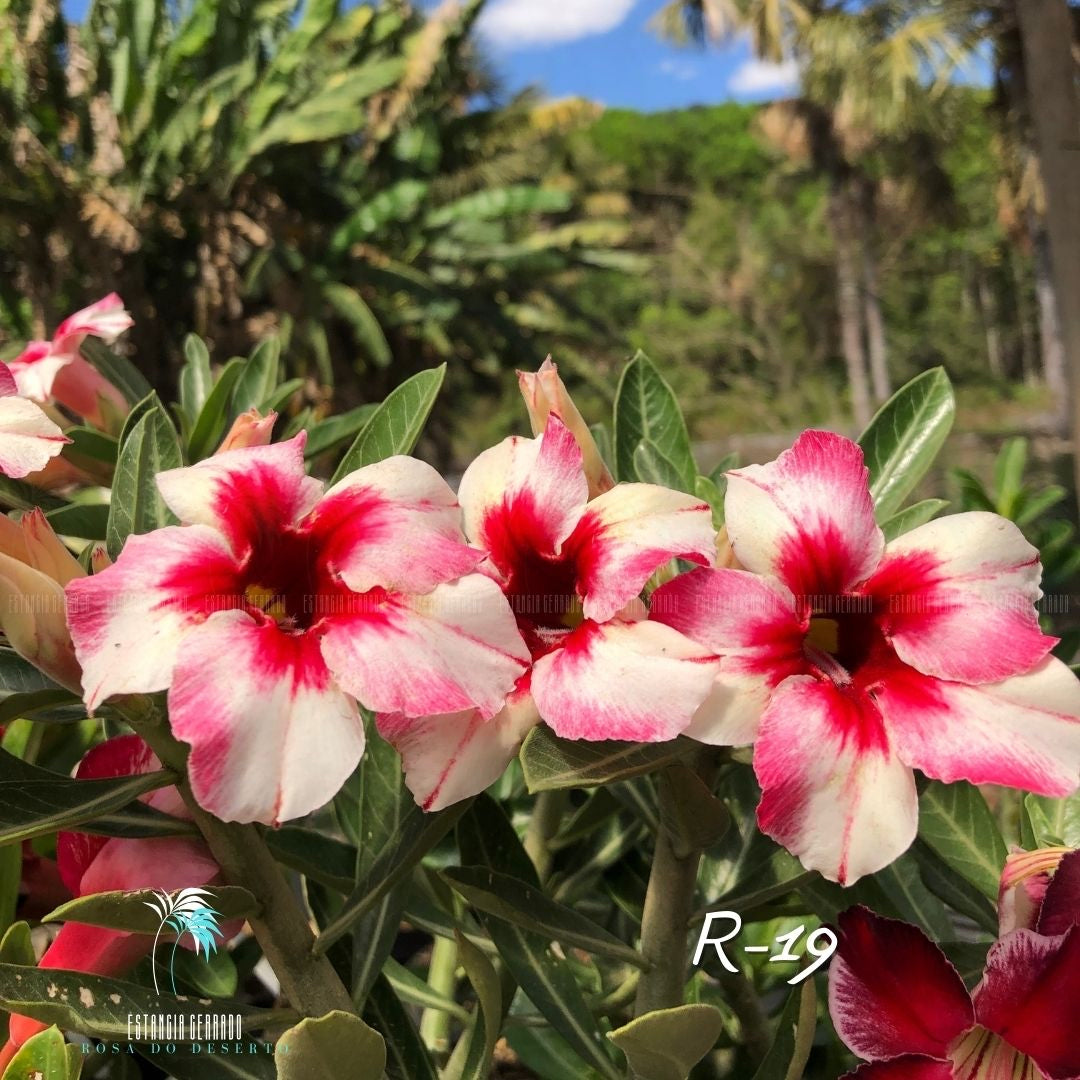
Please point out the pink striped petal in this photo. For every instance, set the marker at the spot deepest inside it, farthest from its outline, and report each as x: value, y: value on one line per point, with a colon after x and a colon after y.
x: 247, y: 494
x: 960, y: 596
x: 524, y: 496
x: 908, y: 1067
x: 892, y: 991
x: 105, y: 319
x: 457, y: 755
x: 28, y: 438
x: 35, y: 369
x: 1030, y: 996
x: 834, y: 792
x: 627, y: 533
x: 1061, y: 904
x: 807, y: 517
x: 7, y: 381
x: 1023, y: 731
x: 395, y: 525
x: 127, y: 622
x: 272, y: 737
x: 640, y: 681
x: 456, y: 648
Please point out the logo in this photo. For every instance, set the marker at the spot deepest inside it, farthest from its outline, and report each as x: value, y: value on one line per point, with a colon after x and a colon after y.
x: 185, y: 913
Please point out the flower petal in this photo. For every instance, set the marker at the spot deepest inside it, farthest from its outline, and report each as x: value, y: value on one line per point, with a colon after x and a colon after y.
x: 451, y: 757
x: 960, y: 596
x: 244, y: 494
x: 627, y: 533
x: 640, y: 681
x: 834, y: 792
x: 752, y: 624
x: 1061, y: 904
x: 524, y: 496
x: 127, y: 622
x: 1023, y: 732
x: 105, y: 319
x: 272, y: 737
x: 456, y: 648
x: 165, y: 862
x: 394, y: 524
x: 28, y: 438
x: 807, y: 517
x: 8, y: 385
x: 1030, y: 994
x: 892, y: 991
x: 35, y: 369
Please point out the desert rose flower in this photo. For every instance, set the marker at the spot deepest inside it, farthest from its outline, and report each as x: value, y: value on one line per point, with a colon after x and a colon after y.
x: 897, y: 1002
x: 56, y: 371
x: 851, y: 661
x: 28, y: 438
x: 572, y: 570
x: 277, y: 606
x: 92, y: 864
x: 1040, y: 890
x: 34, y: 568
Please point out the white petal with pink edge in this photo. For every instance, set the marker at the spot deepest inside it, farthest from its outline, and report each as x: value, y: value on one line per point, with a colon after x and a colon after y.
x: 959, y: 595
x: 1023, y: 732
x: 807, y: 517
x: 28, y: 438
x: 35, y: 369
x: 834, y: 792
x: 454, y: 756
x: 640, y: 681
x: 106, y: 319
x: 272, y: 736
x: 396, y: 525
x: 245, y: 492
x: 524, y: 494
x: 627, y: 533
x: 127, y: 622
x: 456, y: 648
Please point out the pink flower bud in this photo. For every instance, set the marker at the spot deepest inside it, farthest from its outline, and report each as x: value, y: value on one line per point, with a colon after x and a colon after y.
x: 249, y: 429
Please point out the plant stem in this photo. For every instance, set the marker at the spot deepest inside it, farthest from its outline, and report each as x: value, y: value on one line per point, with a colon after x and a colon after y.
x: 544, y: 822
x: 669, y: 901
x: 442, y: 978
x: 281, y: 927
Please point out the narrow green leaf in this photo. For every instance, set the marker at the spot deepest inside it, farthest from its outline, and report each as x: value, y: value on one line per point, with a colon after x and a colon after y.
x: 48, y: 706
x: 34, y: 801
x: 550, y: 762
x: 89, y: 521
x: 790, y: 1051
x: 905, y: 436
x: 944, y: 882
x: 955, y: 822
x: 213, y: 976
x: 190, y: 1061
x: 409, y: 987
x: 120, y: 371
x: 348, y: 303
x: 912, y: 517
x: 88, y: 442
x: 1054, y: 821
x: 196, y: 378
x: 668, y: 1043
x: 319, y: 857
x: 406, y: 1056
x: 129, y: 911
x: 693, y: 816
x: 257, y: 378
x: 526, y: 906
x: 332, y: 431
x: 487, y: 1020
x: 330, y: 1047
x: 646, y: 409
x: 209, y: 426
x: 396, y: 424
x: 19, y: 676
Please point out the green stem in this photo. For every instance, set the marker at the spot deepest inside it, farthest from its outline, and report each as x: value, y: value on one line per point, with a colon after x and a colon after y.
x: 281, y: 927
x: 544, y: 822
x: 442, y: 978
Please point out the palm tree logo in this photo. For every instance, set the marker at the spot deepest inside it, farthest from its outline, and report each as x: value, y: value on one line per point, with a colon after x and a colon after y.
x: 187, y: 913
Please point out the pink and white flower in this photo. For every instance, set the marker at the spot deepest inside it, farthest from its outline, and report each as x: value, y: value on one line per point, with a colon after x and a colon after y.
x: 851, y: 661
x: 898, y: 1003
x: 28, y: 438
x: 572, y: 570
x: 56, y: 371
x: 276, y: 606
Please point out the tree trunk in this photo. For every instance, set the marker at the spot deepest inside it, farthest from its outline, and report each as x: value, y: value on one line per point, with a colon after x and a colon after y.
x: 1055, y: 367
x: 988, y: 315
x: 849, y: 301
x: 1046, y: 30
x: 1029, y: 365
x: 877, y: 346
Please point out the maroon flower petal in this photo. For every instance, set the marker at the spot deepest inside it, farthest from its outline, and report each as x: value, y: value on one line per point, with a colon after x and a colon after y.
x: 1061, y: 905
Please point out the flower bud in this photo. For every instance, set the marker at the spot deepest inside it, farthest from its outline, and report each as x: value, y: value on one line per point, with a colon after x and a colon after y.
x: 249, y: 429
x: 545, y: 393
x: 46, y: 552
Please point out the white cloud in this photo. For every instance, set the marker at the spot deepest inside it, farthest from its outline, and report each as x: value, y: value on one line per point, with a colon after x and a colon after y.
x: 761, y: 77
x: 683, y: 70
x: 520, y: 24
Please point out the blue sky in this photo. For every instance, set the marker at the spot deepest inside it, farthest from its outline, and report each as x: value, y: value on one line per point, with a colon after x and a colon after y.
x: 606, y: 51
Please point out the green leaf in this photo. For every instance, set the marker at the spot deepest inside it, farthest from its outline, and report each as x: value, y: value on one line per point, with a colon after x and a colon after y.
x: 348, y: 303
x: 17, y: 946
x: 693, y: 816
x: 213, y: 976
x: 406, y: 1056
x: 51, y: 706
x: 396, y: 424
x: 149, y: 448
x: 102, y: 1006
x: 912, y: 517
x: 34, y: 801
x: 209, y: 427
x: 956, y: 823
x: 486, y: 838
x: 944, y: 882
x: 550, y: 762
x: 790, y: 1051
x: 191, y: 1061
x: 129, y: 911
x: 713, y: 494
x: 19, y: 676
x: 196, y: 378
x: 902, y: 883
x: 45, y: 1056
x: 328, y: 433
x: 88, y: 442
x: 652, y: 467
x: 646, y: 409
x: 257, y: 378
x: 139, y: 821
x: 321, y: 858
x: 1009, y: 474
x: 89, y: 521
x: 330, y: 1047
x: 21, y: 495
x: 904, y: 438
x: 487, y: 1020
x: 526, y: 906
x: 120, y: 371
x: 668, y: 1043
x: 1054, y: 822
x: 409, y: 987
x: 10, y: 881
